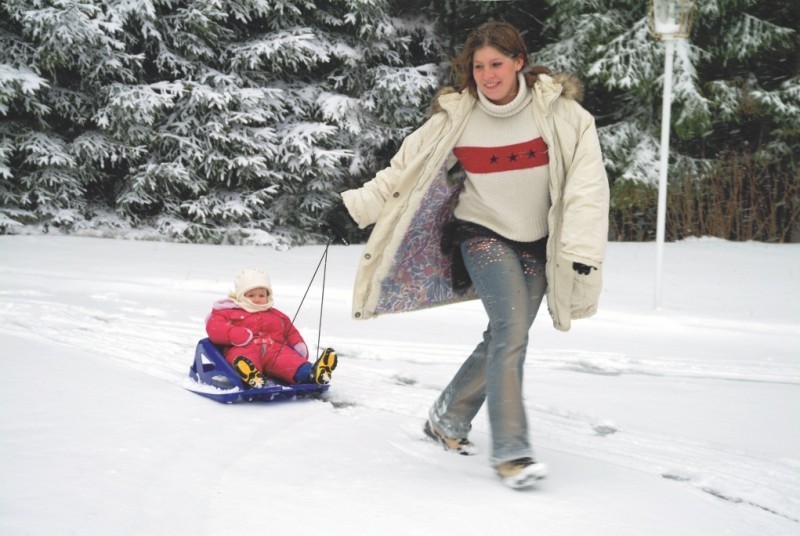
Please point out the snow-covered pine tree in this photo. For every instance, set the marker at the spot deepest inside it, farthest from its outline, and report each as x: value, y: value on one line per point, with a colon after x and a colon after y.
x: 455, y: 19
x: 55, y: 57
x: 260, y: 112
x: 204, y: 119
x: 18, y: 91
x: 737, y: 68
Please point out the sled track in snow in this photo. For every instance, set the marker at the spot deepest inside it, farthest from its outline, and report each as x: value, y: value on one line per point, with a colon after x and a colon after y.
x: 139, y: 337
x: 394, y: 377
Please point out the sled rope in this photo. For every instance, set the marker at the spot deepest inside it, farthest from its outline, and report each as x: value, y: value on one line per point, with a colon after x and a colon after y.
x: 324, y: 257
x: 322, y: 298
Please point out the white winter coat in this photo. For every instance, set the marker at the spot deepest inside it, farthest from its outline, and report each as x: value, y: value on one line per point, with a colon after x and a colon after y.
x: 403, y: 268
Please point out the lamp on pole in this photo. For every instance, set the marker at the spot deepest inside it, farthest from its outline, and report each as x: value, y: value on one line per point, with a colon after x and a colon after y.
x: 669, y: 20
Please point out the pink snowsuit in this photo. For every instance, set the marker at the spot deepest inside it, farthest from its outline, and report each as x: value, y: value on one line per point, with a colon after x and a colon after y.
x: 267, y: 338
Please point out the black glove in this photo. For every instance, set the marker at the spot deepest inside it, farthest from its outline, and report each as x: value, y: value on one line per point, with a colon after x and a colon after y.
x: 338, y: 225
x: 582, y: 268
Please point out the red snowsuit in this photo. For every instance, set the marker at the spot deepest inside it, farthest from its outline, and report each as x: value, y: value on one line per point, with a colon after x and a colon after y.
x: 266, y: 338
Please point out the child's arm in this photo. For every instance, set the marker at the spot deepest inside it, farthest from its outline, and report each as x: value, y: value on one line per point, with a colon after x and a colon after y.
x: 292, y: 335
x: 221, y: 331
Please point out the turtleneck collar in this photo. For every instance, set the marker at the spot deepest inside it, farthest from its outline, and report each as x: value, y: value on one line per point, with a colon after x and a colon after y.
x: 506, y: 110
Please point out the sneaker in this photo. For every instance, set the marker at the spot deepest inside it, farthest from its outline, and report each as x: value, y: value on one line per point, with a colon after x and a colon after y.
x: 521, y: 473
x: 248, y: 372
x: 323, y: 367
x: 460, y: 445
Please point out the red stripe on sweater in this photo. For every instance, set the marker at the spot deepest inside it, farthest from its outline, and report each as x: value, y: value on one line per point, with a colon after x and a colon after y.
x: 523, y: 155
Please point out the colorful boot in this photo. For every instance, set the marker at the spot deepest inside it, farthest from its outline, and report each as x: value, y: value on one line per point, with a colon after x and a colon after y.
x: 248, y: 372
x: 322, y: 369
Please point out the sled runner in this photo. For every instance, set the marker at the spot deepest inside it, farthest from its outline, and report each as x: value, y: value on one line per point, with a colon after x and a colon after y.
x: 213, y: 377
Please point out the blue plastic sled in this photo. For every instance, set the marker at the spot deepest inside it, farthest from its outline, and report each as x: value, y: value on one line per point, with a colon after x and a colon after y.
x: 213, y: 377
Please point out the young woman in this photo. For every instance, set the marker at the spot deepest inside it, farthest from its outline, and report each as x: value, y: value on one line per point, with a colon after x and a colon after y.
x: 501, y: 195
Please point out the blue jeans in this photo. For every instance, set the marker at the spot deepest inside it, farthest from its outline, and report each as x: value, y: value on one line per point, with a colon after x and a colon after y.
x: 511, y: 286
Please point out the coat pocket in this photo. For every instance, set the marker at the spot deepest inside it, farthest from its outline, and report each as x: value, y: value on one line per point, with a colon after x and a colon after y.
x: 585, y: 294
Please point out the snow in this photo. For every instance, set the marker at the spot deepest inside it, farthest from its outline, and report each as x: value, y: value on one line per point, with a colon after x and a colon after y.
x: 676, y: 421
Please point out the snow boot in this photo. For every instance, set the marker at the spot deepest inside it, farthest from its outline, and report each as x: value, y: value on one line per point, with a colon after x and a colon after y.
x: 248, y: 372
x: 323, y: 367
x: 459, y: 445
x: 521, y: 473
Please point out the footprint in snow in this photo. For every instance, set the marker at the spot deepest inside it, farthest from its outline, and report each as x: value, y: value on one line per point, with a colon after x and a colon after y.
x: 605, y: 428
x: 404, y: 380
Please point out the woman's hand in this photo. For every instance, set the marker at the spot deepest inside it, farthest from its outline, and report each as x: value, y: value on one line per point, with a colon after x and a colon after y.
x: 338, y: 225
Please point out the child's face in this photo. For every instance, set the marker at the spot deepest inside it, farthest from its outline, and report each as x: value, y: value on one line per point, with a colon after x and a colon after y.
x: 258, y: 296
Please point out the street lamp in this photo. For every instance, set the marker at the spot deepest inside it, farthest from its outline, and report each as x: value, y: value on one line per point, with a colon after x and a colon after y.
x: 669, y: 20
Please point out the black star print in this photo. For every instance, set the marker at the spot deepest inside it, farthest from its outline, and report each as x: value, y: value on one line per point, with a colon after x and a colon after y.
x: 512, y: 158
x: 494, y: 159
x: 531, y: 154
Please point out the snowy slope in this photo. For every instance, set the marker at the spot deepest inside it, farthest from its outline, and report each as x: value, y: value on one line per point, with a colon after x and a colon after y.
x: 680, y: 421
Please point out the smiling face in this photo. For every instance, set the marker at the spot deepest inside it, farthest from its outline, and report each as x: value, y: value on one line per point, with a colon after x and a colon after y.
x: 496, y: 74
x: 492, y: 40
x: 258, y: 296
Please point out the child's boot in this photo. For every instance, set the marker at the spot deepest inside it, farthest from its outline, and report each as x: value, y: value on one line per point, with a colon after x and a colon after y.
x: 323, y: 367
x: 248, y: 372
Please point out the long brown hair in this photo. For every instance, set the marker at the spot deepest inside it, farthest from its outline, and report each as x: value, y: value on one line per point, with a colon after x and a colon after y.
x: 502, y: 36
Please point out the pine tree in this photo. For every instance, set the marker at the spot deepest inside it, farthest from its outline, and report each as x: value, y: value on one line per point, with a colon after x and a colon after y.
x: 54, y: 60
x: 206, y: 119
x: 735, y: 88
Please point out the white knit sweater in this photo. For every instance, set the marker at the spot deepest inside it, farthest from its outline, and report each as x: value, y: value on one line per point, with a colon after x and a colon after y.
x: 505, y: 159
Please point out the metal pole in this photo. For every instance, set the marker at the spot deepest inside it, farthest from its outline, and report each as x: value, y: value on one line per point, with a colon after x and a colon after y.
x: 662, y: 178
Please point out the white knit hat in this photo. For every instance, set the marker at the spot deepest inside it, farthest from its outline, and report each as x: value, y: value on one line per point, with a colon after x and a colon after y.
x: 247, y: 280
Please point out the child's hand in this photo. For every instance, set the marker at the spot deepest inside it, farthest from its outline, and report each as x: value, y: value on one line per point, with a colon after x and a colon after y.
x: 240, y: 336
x: 301, y: 349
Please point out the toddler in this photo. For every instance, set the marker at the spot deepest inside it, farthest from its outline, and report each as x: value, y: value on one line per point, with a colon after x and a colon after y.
x: 260, y: 341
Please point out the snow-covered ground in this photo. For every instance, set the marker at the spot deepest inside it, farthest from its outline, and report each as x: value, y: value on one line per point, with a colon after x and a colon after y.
x: 678, y: 421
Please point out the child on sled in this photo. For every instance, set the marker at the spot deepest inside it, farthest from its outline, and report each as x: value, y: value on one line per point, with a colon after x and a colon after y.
x: 258, y: 340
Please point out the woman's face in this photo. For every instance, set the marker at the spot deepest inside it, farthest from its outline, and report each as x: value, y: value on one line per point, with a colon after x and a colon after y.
x: 257, y: 295
x: 496, y: 74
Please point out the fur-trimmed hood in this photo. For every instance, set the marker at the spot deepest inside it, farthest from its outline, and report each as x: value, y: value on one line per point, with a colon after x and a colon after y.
x: 566, y: 85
